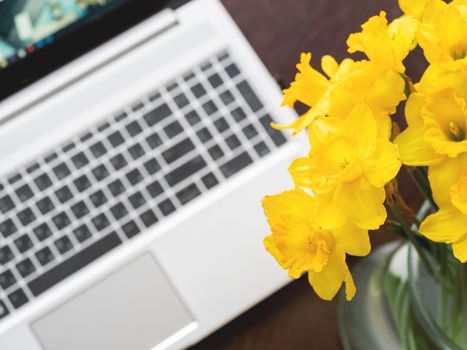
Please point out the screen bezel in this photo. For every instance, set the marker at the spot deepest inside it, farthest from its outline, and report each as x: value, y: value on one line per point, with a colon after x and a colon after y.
x: 82, y: 37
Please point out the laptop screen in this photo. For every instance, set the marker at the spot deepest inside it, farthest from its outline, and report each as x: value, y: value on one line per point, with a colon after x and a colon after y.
x: 29, y: 25
x: 39, y: 36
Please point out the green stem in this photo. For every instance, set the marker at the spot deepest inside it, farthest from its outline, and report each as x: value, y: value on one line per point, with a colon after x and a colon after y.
x: 419, y: 175
x: 411, y: 236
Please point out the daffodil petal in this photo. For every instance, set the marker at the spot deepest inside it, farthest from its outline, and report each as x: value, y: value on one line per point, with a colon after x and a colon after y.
x: 460, y: 250
x: 383, y: 165
x: 412, y: 7
x: 447, y: 225
x: 414, y: 150
x: 354, y: 239
x: 445, y: 175
x: 329, y: 65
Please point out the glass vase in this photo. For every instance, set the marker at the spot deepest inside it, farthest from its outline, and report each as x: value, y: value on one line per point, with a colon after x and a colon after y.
x: 402, y: 304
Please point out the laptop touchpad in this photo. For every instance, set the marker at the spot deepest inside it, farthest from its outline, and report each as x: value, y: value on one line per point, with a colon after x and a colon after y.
x: 135, y: 308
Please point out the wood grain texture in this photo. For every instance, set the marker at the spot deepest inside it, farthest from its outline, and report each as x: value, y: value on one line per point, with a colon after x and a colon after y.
x: 279, y: 30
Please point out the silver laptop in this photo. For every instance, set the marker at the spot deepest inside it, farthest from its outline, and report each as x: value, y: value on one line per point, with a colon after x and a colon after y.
x: 135, y: 149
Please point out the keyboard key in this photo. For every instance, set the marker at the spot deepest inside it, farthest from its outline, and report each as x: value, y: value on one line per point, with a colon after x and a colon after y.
x: 277, y: 137
x: 152, y: 166
x: 215, y: 80
x: 210, y: 107
x: 232, y: 70
x: 157, y: 115
x: 42, y: 232
x: 68, y: 147
x: 51, y: 157
x: 26, y: 216
x: 186, y: 170
x: 64, y: 194
x: 181, y: 100
x: 75, y: 263
x: 155, y: 96
x: 216, y: 152
x: 178, y: 151
x: 6, y: 204
x: 61, y: 171
x: 166, y: 207
x: 137, y: 200
x: 250, y: 96
x: 103, y: 126
x: 173, y: 129
x: 136, y: 151
x: 15, y: 178
x: 61, y: 220
x: 23, y: 243
x: 148, y: 218
x: 118, y: 162
x: 63, y: 244
x: 188, y: 194
x: 134, y: 128
x: 31, y: 169
x: 198, y: 90
x: 116, y: 139
x: 131, y: 229
x: 193, y: 118
x: 227, y: 97
x: 154, y: 140
x: 18, y: 298
x: 82, y: 183
x: 121, y: 116
x: 82, y: 233
x: 116, y: 187
x: 136, y: 107
x: 45, y: 256
x: 172, y: 86
x: 223, y: 56
x: 25, y: 267
x: 98, y: 198
x: 210, y: 181
x: 235, y: 165
x: 45, y: 205
x: 189, y: 76
x: 204, y: 135
x: 155, y: 189
x: 233, y: 142
x: 250, y: 131
x: 98, y: 149
x: 100, y: 172
x: 7, y: 228
x: 221, y: 125
x: 86, y: 137
x: 24, y: 193
x: 206, y: 66
x: 6, y: 255
x: 134, y: 176
x: 79, y: 209
x: 7, y: 279
x: 100, y: 222
x: 262, y: 149
x: 119, y: 211
x: 80, y: 160
x: 238, y: 114
x: 3, y: 310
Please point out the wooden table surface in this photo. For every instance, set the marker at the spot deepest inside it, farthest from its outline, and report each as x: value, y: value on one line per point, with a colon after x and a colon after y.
x: 279, y: 30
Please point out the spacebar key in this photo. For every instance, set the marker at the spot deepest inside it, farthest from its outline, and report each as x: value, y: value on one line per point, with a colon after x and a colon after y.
x: 73, y: 264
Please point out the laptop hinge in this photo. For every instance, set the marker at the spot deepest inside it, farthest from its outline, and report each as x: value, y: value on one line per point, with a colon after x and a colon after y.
x: 87, y: 64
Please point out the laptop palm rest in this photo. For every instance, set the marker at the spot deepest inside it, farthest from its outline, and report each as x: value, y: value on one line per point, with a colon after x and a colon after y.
x: 135, y: 308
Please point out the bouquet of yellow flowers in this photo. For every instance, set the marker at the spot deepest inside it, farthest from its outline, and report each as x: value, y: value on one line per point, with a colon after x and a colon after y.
x: 347, y: 182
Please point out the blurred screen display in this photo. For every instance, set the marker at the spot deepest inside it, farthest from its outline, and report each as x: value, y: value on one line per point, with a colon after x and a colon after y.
x: 28, y: 25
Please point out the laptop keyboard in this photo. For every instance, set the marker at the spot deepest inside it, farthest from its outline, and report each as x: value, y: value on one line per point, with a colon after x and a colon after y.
x: 110, y: 183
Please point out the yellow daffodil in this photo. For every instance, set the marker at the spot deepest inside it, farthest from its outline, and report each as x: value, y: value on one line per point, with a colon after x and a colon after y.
x: 413, y: 8
x: 449, y: 224
x: 349, y: 83
x: 300, y: 244
x: 443, y: 37
x: 347, y: 167
x: 385, y: 45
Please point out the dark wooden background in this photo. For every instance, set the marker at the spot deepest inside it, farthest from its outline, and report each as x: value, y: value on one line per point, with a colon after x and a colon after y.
x: 279, y: 30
